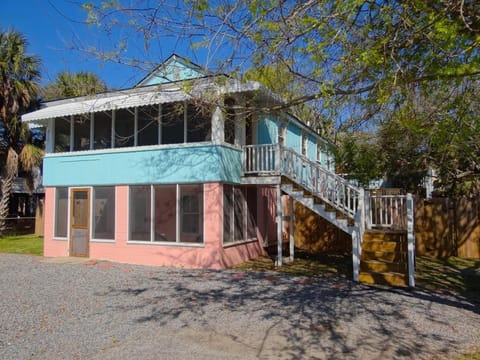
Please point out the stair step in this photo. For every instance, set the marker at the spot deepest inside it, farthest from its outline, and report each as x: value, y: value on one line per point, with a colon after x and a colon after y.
x: 379, y: 245
x: 391, y: 256
x: 384, y: 236
x: 387, y: 278
x: 382, y: 266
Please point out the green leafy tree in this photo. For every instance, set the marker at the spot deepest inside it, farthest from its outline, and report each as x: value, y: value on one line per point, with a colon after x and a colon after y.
x: 69, y: 84
x: 19, y: 73
x: 376, y: 66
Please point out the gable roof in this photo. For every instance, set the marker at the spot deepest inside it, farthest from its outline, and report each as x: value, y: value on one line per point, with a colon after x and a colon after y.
x: 175, y: 68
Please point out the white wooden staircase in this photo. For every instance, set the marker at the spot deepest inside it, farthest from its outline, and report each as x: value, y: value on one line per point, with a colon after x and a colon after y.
x: 366, y: 217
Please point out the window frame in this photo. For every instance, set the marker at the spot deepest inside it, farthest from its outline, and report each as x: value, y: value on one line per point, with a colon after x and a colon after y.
x: 92, y: 212
x: 178, y: 233
x: 56, y: 212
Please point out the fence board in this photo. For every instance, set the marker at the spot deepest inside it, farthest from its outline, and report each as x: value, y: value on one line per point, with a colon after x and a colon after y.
x: 445, y: 227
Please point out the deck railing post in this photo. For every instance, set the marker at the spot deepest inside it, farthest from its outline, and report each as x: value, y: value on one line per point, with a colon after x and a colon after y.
x: 368, y: 210
x: 410, y: 241
x: 277, y: 158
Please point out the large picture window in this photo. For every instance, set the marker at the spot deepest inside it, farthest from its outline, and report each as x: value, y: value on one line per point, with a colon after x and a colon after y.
x: 104, y: 213
x: 61, y: 212
x: 175, y: 215
x: 239, y: 213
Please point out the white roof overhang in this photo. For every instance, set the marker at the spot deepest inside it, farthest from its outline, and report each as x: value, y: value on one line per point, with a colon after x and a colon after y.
x: 132, y: 98
x: 119, y: 101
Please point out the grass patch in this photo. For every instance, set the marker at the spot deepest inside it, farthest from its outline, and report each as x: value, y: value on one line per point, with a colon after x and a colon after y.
x: 22, y: 244
x: 470, y: 356
x: 441, y: 275
x: 305, y: 264
x: 451, y: 274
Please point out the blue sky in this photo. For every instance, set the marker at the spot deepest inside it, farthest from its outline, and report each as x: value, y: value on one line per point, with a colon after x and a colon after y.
x: 54, y: 29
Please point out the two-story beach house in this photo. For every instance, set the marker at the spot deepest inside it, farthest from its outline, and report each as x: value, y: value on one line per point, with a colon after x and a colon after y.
x: 183, y: 170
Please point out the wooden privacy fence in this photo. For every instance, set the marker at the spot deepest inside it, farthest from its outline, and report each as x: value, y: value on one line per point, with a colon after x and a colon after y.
x: 446, y: 226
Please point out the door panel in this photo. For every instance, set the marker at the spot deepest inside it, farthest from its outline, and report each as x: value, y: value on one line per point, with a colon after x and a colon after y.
x: 79, y: 220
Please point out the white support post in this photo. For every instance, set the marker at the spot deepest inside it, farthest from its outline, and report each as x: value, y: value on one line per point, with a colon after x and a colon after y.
x: 355, y: 253
x: 277, y: 157
x: 292, y: 230
x: 218, y: 126
x: 279, y: 227
x: 368, y: 210
x: 357, y: 234
x: 361, y: 218
x: 410, y: 241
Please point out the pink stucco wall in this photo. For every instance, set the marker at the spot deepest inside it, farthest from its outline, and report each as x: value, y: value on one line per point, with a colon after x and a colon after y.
x: 211, y: 254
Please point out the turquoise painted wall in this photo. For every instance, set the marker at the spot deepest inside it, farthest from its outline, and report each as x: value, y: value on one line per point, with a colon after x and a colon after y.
x: 267, y: 130
x: 194, y: 164
x: 173, y: 71
x: 294, y: 137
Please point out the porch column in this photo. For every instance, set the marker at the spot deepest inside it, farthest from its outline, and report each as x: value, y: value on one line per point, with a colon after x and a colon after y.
x: 410, y: 241
x: 218, y: 126
x: 279, y: 227
x: 292, y: 230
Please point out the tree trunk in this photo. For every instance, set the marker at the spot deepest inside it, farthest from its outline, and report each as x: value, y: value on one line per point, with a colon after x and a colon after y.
x: 9, y: 173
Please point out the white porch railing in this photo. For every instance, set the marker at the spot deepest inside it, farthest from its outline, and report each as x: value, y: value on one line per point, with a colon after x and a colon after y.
x: 275, y: 159
x: 386, y: 211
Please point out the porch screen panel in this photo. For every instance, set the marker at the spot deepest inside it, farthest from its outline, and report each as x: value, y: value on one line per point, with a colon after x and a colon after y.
x: 140, y: 210
x: 251, y: 196
x: 199, y: 124
x: 104, y: 213
x: 61, y: 212
x: 191, y: 213
x: 62, y: 134
x: 173, y: 123
x: 239, y: 213
x: 81, y: 132
x: 147, y: 125
x: 124, y: 128
x: 102, y: 130
x: 227, y: 214
x: 165, y: 213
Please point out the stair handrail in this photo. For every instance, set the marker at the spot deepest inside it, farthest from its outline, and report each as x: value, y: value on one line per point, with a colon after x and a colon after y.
x: 328, y: 186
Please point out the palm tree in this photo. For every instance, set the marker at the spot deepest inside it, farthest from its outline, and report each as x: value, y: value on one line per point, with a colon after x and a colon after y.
x: 69, y: 84
x: 19, y: 73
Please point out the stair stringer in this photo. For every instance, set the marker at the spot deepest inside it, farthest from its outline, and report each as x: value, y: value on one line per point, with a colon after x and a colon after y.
x: 318, y: 209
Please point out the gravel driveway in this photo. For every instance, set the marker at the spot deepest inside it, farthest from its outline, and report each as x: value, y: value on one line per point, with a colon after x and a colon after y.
x: 103, y: 310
